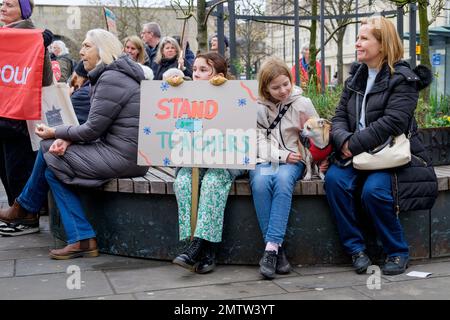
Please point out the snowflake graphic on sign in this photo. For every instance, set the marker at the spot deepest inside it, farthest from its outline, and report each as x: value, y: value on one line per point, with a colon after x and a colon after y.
x: 166, y: 161
x: 246, y: 161
x: 147, y: 131
x: 164, y: 86
x: 242, y: 102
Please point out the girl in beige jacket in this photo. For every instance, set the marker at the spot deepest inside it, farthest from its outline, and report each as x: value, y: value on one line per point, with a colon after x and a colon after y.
x: 281, y: 115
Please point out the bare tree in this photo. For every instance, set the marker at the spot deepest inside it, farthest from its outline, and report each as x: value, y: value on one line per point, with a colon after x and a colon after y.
x: 251, y: 47
x: 130, y: 14
x: 424, y: 23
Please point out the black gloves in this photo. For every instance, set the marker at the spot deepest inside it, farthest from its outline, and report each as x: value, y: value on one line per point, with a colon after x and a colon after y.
x: 48, y: 37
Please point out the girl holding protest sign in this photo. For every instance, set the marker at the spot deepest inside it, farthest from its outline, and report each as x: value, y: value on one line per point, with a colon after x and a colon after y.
x: 281, y: 115
x: 199, y: 256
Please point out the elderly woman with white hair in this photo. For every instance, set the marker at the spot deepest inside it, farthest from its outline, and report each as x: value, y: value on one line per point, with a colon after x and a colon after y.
x: 168, y: 57
x: 102, y: 148
x: 61, y: 54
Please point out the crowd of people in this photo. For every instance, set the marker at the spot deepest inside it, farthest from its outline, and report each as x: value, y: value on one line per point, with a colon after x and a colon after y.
x: 378, y: 101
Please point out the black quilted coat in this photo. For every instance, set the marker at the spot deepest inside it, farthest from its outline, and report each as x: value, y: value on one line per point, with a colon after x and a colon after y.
x: 389, y: 110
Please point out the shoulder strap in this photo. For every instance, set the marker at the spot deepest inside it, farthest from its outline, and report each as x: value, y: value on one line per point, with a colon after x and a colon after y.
x: 278, y: 118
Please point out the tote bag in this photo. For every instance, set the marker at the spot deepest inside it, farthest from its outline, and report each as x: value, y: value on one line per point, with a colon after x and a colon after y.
x: 394, y: 153
x: 57, y: 110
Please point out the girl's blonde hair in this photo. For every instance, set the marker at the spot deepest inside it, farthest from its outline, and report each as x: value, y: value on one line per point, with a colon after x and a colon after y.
x: 386, y: 34
x: 271, y: 69
x: 164, y: 41
x: 139, y: 44
x: 108, y: 46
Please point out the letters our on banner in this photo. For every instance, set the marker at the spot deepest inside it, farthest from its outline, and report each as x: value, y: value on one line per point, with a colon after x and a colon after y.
x: 21, y: 69
x: 198, y: 125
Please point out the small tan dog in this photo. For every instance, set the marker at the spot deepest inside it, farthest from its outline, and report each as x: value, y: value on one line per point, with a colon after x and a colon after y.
x: 316, y: 132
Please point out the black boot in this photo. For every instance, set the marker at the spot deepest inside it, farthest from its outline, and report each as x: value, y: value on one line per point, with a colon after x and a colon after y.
x: 283, y: 265
x: 189, y: 258
x: 208, y: 258
x: 268, y: 264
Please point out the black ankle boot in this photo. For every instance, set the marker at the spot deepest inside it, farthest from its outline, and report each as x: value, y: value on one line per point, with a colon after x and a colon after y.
x: 283, y: 265
x: 268, y: 264
x: 189, y: 258
x: 208, y: 258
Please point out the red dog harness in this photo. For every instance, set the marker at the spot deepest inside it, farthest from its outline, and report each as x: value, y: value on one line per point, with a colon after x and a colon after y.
x: 319, y: 154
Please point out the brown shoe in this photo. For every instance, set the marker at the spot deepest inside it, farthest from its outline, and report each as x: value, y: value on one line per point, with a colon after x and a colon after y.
x: 83, y: 248
x: 17, y: 214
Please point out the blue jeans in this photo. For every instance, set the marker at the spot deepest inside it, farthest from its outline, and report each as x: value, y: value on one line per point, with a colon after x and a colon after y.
x: 272, y: 196
x: 72, y: 214
x: 377, y: 201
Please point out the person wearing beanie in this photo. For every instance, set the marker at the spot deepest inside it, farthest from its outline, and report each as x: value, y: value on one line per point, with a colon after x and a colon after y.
x: 15, y: 146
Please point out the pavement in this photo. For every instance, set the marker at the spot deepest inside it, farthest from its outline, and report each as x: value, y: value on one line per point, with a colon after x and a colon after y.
x: 26, y: 272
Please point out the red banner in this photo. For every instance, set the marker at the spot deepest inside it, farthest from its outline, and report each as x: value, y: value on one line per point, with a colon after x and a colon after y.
x: 21, y: 68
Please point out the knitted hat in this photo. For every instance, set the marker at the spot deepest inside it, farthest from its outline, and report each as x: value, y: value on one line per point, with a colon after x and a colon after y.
x: 80, y: 70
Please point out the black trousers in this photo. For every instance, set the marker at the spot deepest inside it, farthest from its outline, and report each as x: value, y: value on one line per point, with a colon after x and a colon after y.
x: 16, y: 163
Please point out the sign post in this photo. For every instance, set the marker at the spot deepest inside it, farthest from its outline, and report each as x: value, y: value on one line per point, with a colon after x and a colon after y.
x: 111, y: 20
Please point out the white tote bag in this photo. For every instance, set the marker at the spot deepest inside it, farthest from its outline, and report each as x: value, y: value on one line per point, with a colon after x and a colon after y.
x: 57, y: 110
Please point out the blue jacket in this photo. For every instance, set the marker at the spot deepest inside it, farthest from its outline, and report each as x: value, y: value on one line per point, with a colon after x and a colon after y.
x: 81, y: 102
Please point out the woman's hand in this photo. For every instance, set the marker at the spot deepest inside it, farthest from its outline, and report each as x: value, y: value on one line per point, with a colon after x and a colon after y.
x: 345, y: 151
x: 44, y: 132
x: 59, y: 147
x: 294, y: 158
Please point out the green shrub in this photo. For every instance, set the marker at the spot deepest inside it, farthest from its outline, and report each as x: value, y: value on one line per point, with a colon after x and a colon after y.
x: 434, y: 114
x: 326, y: 103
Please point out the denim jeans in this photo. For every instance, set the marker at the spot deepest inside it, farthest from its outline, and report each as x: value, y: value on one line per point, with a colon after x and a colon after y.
x: 272, y: 195
x: 377, y: 201
x: 72, y: 214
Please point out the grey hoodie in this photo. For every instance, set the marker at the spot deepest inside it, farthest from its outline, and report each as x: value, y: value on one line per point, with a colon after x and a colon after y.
x: 284, y: 138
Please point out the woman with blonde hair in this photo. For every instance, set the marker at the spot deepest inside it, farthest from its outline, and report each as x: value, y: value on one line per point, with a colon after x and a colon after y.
x: 134, y: 47
x: 87, y: 155
x: 282, y: 111
x: 169, y: 56
x: 378, y: 102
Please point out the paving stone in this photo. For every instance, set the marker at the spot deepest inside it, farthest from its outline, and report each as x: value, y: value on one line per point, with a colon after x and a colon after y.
x: 437, y: 269
x: 326, y: 294
x: 102, y: 262
x: 53, y: 286
x: 112, y: 297
x: 6, y: 268
x: 426, y: 289
x: 323, y: 281
x: 23, y: 253
x: 214, y: 292
x: 36, y: 240
x: 310, y: 270
x: 172, y: 277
